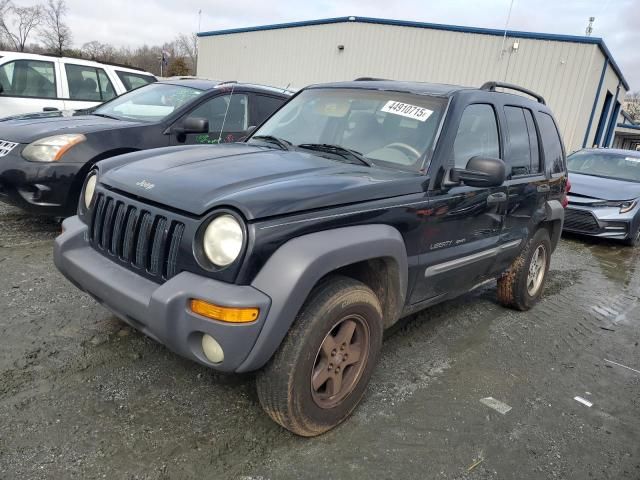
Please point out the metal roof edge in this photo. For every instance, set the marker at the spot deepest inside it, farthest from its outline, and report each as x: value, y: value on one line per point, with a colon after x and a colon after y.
x: 433, y: 26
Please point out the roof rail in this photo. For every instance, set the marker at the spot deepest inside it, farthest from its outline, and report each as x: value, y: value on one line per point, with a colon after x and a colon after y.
x: 369, y: 79
x: 491, y: 87
x: 113, y: 64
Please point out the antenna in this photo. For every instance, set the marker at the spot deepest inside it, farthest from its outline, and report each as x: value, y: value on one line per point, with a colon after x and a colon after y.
x: 233, y: 85
x: 286, y: 88
x: 506, y: 26
x: 589, y: 29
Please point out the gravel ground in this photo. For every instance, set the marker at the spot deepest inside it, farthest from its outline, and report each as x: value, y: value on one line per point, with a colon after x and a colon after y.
x: 84, y: 396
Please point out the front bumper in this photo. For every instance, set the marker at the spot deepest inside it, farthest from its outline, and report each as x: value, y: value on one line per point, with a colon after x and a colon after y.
x: 40, y: 188
x: 161, y: 310
x: 605, y: 222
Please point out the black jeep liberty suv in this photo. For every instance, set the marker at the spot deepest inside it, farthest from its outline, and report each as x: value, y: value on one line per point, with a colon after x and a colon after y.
x: 354, y: 205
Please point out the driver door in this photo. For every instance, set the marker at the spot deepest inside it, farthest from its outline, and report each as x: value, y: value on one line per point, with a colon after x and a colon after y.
x: 228, y: 117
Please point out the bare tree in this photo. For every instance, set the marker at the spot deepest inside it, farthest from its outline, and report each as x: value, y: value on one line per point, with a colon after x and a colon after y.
x: 55, y: 33
x: 17, y: 23
x: 96, y: 50
x: 632, y: 106
x: 187, y: 46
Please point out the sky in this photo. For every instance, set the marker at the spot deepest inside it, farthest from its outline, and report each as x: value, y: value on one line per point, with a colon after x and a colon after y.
x: 152, y: 22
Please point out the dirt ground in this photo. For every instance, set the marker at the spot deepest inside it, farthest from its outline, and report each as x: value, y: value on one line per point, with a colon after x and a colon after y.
x: 84, y: 396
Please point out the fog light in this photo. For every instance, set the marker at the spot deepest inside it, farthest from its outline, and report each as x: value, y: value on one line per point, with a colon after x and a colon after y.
x: 224, y: 314
x: 212, y: 349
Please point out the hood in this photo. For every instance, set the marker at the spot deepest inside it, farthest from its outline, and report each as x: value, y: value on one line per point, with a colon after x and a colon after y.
x: 258, y: 181
x: 28, y: 128
x: 602, y: 188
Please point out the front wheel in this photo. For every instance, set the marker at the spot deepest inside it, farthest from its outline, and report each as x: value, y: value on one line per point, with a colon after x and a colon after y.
x: 521, y: 286
x: 321, y: 370
x: 634, y: 239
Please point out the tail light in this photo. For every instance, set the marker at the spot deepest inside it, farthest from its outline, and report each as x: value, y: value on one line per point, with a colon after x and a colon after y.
x: 567, y: 189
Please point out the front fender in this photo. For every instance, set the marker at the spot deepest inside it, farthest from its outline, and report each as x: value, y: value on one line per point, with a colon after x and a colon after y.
x: 295, y: 268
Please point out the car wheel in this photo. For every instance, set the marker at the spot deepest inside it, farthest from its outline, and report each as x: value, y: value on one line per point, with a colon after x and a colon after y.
x: 322, y: 368
x: 633, y: 240
x: 521, y: 286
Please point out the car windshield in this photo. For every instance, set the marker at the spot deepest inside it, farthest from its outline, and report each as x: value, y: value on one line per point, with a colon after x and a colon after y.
x: 150, y: 103
x: 605, y: 164
x: 382, y: 127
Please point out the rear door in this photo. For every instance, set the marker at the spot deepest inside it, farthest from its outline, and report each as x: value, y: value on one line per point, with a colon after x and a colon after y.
x: 527, y: 185
x: 228, y: 116
x: 463, y: 224
x: 29, y: 86
x: 262, y: 106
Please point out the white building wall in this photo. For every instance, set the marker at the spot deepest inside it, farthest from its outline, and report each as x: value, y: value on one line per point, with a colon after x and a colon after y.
x: 566, y: 74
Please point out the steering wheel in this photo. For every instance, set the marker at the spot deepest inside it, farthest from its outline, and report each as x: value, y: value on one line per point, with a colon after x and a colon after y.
x: 291, y: 117
x: 404, y: 148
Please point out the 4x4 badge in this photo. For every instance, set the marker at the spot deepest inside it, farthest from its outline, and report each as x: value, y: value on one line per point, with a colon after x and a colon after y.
x: 146, y: 185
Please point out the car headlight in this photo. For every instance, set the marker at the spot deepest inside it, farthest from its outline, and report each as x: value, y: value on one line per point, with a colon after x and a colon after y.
x: 51, y: 149
x: 90, y: 189
x: 223, y: 240
x: 623, y: 206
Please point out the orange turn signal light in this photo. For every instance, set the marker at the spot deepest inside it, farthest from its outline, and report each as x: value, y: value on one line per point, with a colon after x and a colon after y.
x: 224, y: 314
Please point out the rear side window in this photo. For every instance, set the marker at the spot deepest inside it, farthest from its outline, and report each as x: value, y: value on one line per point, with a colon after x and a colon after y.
x: 477, y: 135
x: 523, y: 155
x: 134, y: 80
x: 265, y: 106
x: 551, y: 144
x: 28, y: 78
x: 88, y: 83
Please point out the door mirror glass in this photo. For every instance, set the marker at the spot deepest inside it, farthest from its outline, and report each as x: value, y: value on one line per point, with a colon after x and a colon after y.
x: 481, y: 172
x: 195, y: 125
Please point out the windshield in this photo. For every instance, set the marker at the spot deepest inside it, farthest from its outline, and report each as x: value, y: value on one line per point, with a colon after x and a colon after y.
x: 605, y: 164
x: 395, y: 129
x: 150, y: 103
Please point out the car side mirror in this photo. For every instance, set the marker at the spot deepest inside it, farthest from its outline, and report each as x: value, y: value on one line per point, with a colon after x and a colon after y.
x: 195, y: 125
x: 481, y: 172
x: 1, y: 89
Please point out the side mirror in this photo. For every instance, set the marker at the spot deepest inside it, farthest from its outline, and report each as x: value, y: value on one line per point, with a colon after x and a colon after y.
x: 194, y: 125
x: 481, y: 172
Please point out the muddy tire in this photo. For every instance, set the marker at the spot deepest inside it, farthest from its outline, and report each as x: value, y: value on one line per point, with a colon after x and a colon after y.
x: 322, y: 368
x: 521, y: 286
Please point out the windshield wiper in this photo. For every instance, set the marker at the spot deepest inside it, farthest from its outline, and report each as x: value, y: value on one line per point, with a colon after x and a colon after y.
x: 336, y: 149
x: 104, y: 115
x: 281, y: 142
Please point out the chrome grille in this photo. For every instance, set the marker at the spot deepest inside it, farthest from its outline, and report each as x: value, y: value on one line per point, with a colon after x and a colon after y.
x: 6, y: 147
x: 135, y: 237
x: 580, y: 221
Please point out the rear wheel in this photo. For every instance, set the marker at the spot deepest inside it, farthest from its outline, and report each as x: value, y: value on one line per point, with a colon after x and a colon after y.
x: 521, y: 286
x: 321, y: 370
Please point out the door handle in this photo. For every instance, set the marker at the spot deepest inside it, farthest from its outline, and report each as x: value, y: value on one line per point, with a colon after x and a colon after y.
x: 543, y: 188
x: 495, y: 198
x: 50, y: 109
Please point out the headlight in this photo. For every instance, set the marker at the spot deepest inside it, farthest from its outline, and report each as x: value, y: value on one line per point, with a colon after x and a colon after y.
x: 623, y: 206
x: 90, y: 189
x: 51, y: 149
x: 223, y: 240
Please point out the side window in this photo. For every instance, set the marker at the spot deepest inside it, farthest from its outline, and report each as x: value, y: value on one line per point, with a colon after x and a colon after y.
x: 134, y: 80
x: 551, y: 144
x: 88, y: 83
x: 477, y: 135
x: 523, y: 155
x: 28, y: 78
x: 106, y: 88
x: 233, y: 107
x: 265, y: 106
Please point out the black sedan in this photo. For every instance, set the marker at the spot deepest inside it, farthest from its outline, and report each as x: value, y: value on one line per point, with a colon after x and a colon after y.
x: 605, y: 194
x: 44, y: 159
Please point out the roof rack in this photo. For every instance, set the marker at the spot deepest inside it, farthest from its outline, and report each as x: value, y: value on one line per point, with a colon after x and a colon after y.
x: 491, y: 87
x: 369, y: 79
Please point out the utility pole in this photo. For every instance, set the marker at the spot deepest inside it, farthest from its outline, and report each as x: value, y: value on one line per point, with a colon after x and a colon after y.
x: 195, y: 67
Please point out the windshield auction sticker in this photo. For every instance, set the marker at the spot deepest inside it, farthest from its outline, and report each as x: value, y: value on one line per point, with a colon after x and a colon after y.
x: 407, y: 110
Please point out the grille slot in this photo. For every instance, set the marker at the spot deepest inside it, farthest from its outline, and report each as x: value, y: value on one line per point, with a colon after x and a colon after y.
x: 136, y: 237
x: 6, y: 147
x: 580, y: 221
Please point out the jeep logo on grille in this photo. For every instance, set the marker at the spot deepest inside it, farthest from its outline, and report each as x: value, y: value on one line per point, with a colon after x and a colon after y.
x: 146, y: 185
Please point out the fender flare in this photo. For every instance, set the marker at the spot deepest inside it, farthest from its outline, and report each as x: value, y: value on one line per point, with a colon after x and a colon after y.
x: 294, y: 269
x: 554, y: 215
